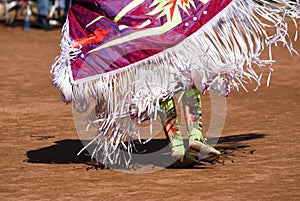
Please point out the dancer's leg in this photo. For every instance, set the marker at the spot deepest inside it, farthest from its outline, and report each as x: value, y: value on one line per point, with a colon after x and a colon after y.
x: 193, y: 114
x: 171, y: 128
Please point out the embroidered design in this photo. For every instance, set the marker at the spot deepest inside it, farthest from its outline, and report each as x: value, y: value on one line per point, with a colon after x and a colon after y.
x: 96, y: 37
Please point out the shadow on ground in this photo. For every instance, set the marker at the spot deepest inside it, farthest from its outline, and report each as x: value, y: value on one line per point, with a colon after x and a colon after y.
x: 156, y: 151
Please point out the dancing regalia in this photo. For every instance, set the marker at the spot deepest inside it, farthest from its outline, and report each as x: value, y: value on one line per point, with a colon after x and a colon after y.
x: 127, y: 56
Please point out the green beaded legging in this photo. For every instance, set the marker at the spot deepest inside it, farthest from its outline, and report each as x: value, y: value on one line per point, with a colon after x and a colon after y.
x: 192, y: 111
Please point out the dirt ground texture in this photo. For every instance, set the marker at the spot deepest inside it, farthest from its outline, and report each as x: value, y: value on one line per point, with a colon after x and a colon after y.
x: 39, y: 144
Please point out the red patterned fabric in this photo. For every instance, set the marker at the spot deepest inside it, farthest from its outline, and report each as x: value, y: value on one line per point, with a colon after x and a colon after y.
x: 173, y: 22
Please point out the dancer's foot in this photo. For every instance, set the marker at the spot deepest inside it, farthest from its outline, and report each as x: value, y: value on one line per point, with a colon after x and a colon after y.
x: 177, y: 148
x: 202, y: 151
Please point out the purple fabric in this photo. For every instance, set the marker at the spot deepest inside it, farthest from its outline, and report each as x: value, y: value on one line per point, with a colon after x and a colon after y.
x: 105, y: 30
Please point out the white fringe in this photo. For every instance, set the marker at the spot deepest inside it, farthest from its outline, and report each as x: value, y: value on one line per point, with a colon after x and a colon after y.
x: 225, y: 53
x: 61, y: 68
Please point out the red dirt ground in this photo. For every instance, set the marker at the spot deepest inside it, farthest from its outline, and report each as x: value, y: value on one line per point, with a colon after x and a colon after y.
x: 259, y: 144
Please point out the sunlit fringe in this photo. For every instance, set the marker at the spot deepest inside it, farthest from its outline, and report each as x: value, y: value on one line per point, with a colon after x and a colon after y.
x: 61, y: 68
x: 225, y: 52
